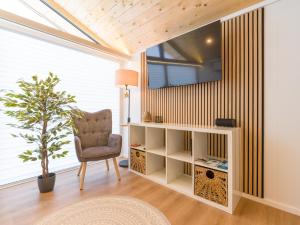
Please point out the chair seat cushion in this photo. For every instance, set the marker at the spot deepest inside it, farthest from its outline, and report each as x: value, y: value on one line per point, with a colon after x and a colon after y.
x: 98, y: 153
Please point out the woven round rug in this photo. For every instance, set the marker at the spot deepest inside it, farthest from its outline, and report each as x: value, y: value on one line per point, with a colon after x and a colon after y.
x: 111, y: 210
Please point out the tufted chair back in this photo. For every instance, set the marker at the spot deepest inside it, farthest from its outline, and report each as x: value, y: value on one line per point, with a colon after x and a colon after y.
x: 94, y: 129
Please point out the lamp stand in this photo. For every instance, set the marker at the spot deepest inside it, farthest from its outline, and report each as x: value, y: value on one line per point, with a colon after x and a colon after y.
x: 124, y: 163
x: 128, y: 116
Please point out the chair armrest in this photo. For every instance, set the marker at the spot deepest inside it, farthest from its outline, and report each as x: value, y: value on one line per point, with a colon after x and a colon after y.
x: 115, y: 141
x: 78, y: 147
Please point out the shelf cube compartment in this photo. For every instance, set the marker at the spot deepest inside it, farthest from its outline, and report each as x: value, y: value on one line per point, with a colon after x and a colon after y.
x: 179, y: 176
x: 155, y: 140
x: 137, y: 137
x: 209, y: 146
x: 156, y: 167
x: 179, y: 145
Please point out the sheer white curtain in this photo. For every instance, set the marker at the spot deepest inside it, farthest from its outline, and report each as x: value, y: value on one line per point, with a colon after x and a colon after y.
x: 89, y: 78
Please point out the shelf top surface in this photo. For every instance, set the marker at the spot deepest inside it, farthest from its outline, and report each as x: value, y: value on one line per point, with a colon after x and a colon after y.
x: 188, y: 127
x: 181, y: 156
x: 157, y: 151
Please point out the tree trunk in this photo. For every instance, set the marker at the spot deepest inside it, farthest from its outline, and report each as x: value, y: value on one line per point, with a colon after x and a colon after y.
x: 44, y: 161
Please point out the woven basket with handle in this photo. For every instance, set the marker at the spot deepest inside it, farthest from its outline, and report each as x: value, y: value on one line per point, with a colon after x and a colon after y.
x: 138, y: 161
x: 211, y: 184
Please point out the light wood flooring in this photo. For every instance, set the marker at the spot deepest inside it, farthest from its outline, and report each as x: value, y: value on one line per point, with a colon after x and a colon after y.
x: 24, y: 205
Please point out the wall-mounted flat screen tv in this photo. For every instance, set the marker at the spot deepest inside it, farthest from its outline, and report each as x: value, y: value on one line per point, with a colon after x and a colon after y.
x: 192, y: 58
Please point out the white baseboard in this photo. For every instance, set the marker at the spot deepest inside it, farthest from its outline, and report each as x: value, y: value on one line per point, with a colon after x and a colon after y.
x: 274, y: 204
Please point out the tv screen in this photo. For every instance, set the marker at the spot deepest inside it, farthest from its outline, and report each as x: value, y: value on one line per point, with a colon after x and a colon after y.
x: 194, y: 57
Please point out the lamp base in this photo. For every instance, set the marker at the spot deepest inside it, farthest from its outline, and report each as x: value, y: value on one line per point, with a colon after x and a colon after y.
x: 123, y: 163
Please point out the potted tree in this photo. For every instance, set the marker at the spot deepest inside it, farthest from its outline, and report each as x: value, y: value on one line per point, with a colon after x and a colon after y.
x: 45, y: 117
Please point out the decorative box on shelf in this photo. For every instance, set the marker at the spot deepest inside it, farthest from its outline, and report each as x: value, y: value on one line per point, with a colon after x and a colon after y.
x: 138, y: 161
x: 211, y: 184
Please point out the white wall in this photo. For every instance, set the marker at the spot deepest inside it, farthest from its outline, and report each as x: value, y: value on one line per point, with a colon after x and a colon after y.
x: 135, y: 105
x: 282, y: 105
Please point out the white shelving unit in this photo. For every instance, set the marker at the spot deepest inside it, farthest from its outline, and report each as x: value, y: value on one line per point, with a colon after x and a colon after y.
x: 164, y: 148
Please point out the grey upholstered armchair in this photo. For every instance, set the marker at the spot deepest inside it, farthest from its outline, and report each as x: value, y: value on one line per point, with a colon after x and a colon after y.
x: 94, y: 141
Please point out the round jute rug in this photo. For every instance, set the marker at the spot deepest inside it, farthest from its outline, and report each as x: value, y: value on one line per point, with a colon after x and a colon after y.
x: 110, y: 210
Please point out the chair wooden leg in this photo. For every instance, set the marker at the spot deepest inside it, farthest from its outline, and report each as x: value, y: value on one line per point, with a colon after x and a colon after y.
x: 82, y: 175
x: 117, y: 169
x: 79, y: 171
x: 107, y: 165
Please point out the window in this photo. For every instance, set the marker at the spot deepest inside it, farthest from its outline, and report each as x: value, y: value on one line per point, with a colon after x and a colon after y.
x: 20, y: 8
x: 89, y: 78
x: 39, y: 12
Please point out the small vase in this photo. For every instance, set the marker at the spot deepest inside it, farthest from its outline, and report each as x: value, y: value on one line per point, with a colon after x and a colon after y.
x: 147, y: 117
x: 46, y: 184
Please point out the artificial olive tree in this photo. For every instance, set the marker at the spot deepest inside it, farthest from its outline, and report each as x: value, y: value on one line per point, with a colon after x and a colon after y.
x: 45, y: 117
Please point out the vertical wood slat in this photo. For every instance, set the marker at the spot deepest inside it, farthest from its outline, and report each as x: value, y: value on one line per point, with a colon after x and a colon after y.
x: 238, y: 95
x: 250, y: 108
x: 246, y: 105
x: 242, y: 87
x: 260, y: 98
x: 230, y: 70
x: 254, y: 103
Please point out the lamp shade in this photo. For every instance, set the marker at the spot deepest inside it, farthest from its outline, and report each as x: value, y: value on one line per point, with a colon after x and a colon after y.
x: 126, y: 77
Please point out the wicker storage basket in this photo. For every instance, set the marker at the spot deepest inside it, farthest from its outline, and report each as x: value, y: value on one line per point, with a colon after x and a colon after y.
x: 211, y: 184
x: 138, y: 161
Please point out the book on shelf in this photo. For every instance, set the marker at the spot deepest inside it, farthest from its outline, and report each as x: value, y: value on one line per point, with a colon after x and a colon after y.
x: 138, y: 146
x: 221, y: 164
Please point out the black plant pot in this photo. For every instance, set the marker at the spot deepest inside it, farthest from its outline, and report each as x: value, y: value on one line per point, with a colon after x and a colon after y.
x: 46, y: 184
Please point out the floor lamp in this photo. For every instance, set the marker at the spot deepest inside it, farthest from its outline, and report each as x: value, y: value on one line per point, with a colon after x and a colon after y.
x: 126, y: 78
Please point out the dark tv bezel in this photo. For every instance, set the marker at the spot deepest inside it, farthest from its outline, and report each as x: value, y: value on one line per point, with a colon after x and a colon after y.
x: 154, y: 60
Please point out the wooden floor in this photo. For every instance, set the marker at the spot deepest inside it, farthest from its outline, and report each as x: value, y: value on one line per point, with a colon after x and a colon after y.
x: 23, y: 204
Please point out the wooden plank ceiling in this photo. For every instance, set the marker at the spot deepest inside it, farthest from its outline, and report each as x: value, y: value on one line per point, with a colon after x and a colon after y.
x: 131, y: 26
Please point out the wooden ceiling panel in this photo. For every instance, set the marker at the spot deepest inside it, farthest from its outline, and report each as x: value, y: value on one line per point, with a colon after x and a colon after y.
x: 130, y: 16
x: 134, y: 25
x: 151, y: 17
x: 147, y: 35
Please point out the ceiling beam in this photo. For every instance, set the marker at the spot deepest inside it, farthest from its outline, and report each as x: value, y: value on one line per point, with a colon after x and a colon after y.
x: 74, y: 21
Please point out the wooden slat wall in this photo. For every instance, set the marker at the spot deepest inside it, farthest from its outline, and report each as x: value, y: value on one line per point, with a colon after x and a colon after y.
x: 238, y: 95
